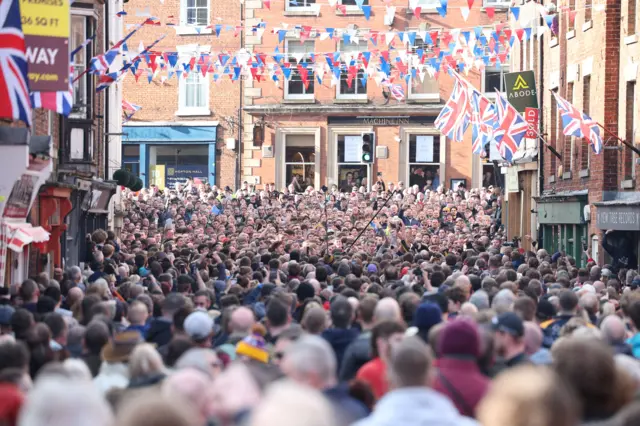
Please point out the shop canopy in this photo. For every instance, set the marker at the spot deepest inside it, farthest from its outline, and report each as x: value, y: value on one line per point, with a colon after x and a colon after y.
x: 19, y: 235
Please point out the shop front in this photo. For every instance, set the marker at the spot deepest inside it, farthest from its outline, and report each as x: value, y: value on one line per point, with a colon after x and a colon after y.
x: 164, y: 155
x: 564, y: 228
x: 622, y: 217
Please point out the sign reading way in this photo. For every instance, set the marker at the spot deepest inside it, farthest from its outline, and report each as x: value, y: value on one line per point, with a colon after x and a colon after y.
x: 45, y: 24
x: 521, y: 90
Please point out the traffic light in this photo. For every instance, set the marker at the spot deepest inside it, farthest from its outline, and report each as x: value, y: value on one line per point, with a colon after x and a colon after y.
x: 368, y: 146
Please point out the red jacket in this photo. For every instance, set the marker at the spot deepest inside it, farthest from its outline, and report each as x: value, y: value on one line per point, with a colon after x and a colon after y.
x: 461, y: 380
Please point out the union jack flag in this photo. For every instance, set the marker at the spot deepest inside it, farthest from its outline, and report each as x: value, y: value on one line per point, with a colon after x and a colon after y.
x: 14, y: 87
x: 453, y: 120
x: 60, y: 102
x: 578, y: 124
x: 510, y: 129
x: 396, y: 90
x: 484, y: 119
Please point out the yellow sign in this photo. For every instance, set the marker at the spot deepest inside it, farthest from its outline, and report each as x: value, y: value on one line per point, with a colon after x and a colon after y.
x: 157, y: 176
x: 45, y: 17
x: 520, y: 84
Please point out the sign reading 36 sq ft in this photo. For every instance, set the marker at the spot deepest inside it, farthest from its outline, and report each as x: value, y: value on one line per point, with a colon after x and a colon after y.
x: 45, y: 24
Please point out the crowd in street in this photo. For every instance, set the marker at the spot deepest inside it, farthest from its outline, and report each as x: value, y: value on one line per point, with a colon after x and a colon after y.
x: 263, y: 307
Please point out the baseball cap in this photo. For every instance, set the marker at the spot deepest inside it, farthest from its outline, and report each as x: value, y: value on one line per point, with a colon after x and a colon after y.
x: 509, y: 322
x: 6, y: 312
x: 198, y: 325
x: 606, y: 272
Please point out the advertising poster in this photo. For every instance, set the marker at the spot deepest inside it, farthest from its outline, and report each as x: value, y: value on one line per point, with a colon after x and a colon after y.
x: 45, y: 24
x: 179, y: 174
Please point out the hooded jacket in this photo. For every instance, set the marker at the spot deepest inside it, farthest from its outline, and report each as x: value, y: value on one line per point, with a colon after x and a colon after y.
x: 160, y: 332
x: 462, y: 381
x: 415, y: 406
x: 340, y: 339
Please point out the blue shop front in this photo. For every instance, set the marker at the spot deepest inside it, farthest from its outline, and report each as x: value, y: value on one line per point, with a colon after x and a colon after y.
x: 164, y: 155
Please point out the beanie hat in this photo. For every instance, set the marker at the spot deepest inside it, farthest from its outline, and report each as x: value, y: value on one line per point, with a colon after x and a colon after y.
x: 460, y: 337
x: 253, y: 346
x: 427, y: 315
x: 372, y: 268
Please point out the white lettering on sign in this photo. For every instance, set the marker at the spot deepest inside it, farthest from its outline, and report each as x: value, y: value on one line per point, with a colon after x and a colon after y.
x: 618, y: 218
x: 40, y: 55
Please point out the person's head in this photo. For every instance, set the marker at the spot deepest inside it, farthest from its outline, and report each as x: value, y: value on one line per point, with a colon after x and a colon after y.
x: 459, y: 338
x: 532, y: 337
x: 286, y: 338
x: 310, y: 361
x: 568, y: 302
x: 171, y: 304
x: 14, y: 355
x: 387, y: 309
x: 593, y: 378
x: 199, y: 326
x: 242, y: 320
x: 590, y: 303
x: 314, y: 320
x: 384, y: 336
x: 58, y: 327
x: 21, y: 322
x: 525, y: 307
x: 341, y: 312
x: 528, y: 396
x: 190, y: 387
x: 138, y: 313
x: 96, y: 336
x: 202, y: 300
x: 155, y: 410
x: 509, y: 334
x: 278, y: 314
x: 613, y: 330
x: 410, y: 364
x: 28, y: 291
x: 145, y: 361
x: 202, y: 359
x: 503, y: 301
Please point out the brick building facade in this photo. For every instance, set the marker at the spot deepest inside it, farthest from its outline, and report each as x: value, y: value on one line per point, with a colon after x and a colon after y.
x: 591, y: 62
x: 184, y: 123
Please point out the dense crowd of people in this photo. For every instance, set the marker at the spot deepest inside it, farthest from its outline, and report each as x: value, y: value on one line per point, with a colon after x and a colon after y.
x: 398, y: 306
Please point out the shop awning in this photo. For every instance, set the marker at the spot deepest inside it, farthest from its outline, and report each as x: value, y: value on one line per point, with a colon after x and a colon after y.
x: 19, y: 235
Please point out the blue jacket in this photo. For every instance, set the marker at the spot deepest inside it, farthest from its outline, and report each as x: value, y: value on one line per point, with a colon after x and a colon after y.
x: 635, y: 345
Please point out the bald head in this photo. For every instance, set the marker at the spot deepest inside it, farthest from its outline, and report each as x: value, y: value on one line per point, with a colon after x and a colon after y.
x: 468, y: 309
x: 74, y: 295
x: 387, y: 309
x: 589, y: 302
x: 613, y: 330
x: 191, y: 387
x: 242, y: 319
x: 532, y: 337
x: 599, y: 286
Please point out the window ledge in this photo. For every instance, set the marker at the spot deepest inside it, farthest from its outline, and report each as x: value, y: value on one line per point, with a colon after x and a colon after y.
x: 350, y: 12
x: 299, y: 101
x: 631, y: 39
x: 499, y: 6
x: 193, y: 112
x: 571, y: 34
x: 351, y: 101
x: 553, y: 42
x: 426, y: 10
x: 423, y: 100
x: 628, y: 184
x: 552, y: 179
x: 191, y: 30
x: 302, y: 12
x: 584, y: 173
x: 587, y: 26
x: 566, y: 176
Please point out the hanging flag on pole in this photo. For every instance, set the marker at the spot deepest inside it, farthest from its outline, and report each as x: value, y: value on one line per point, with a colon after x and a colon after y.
x: 510, y: 129
x: 484, y: 119
x: 453, y: 119
x: 577, y: 123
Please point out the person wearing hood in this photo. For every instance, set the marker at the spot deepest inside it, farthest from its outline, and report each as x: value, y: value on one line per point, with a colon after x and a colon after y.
x: 312, y: 362
x: 341, y: 334
x: 427, y: 315
x: 459, y: 376
x: 159, y: 331
x: 411, y: 401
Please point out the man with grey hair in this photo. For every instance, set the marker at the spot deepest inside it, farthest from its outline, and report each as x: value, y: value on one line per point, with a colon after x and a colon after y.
x: 503, y: 301
x: 312, y: 362
x: 76, y: 276
x: 480, y: 299
x: 412, y: 402
x: 387, y: 309
x: 590, y: 304
x: 614, y: 334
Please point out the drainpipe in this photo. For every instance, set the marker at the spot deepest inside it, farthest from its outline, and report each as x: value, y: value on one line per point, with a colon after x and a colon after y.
x: 240, y: 124
x: 541, y: 148
x: 105, y: 113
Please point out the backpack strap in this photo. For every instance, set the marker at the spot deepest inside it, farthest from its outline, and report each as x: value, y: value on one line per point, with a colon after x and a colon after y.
x: 457, y: 397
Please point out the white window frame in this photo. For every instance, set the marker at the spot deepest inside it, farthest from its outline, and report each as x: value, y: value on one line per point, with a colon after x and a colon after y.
x: 292, y: 163
x: 303, y: 6
x: 420, y: 96
x: 303, y: 96
x: 439, y: 162
x: 504, y: 69
x: 426, y: 5
x: 356, y: 96
x: 183, y: 110
x: 354, y: 7
x: 496, y: 3
x: 280, y: 164
x: 83, y: 55
x: 193, y: 29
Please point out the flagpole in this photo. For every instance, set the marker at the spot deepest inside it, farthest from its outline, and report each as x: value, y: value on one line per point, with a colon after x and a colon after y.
x: 547, y: 144
x: 627, y: 144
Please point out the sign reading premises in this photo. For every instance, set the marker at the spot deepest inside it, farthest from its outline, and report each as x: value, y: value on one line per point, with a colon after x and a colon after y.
x: 521, y: 90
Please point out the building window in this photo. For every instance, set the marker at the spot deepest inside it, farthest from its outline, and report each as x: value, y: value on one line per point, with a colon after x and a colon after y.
x: 351, y: 4
x: 630, y: 128
x: 493, y: 80
x: 298, y: 54
x: 553, y: 140
x: 300, y: 161
x: 424, y: 4
x: 194, y: 95
x: 299, y: 4
x: 425, y: 86
x: 351, y: 171
x: 595, y: 245
x: 569, y: 141
x: 588, y: 5
x: 195, y: 12
x: 585, y: 147
x: 571, y: 25
x: 496, y: 3
x: 424, y: 161
x: 81, y: 29
x: 131, y: 158
x: 357, y: 89
x: 631, y: 16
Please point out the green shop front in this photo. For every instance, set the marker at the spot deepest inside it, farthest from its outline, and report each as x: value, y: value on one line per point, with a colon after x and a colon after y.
x: 562, y: 219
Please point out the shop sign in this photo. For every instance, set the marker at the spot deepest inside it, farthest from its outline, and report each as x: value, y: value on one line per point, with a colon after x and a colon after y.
x: 19, y: 202
x: 45, y: 24
x: 532, y: 115
x: 379, y: 121
x: 521, y: 90
x: 620, y: 218
x: 179, y: 174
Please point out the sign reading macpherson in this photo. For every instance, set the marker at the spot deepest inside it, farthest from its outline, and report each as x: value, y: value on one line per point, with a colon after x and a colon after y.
x: 45, y: 24
x: 521, y: 90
